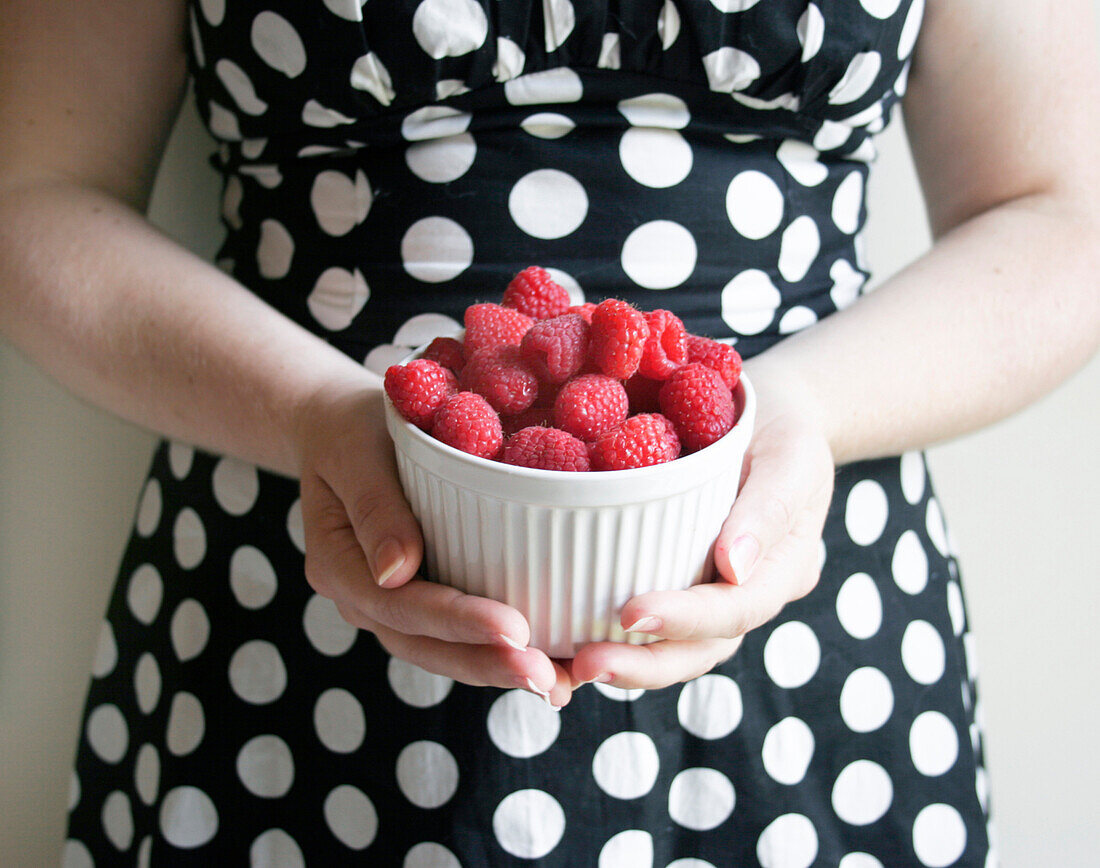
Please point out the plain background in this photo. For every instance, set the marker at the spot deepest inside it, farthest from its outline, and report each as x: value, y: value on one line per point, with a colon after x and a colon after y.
x: 1020, y: 498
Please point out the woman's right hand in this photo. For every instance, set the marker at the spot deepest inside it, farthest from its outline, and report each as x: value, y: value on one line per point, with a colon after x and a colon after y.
x: 363, y: 549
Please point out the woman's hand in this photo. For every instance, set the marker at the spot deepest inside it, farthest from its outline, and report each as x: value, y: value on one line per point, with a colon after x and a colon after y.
x: 363, y: 548
x: 767, y: 554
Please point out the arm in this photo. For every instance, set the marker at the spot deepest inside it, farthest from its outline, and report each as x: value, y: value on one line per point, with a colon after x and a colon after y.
x: 1002, y: 308
x: 129, y: 320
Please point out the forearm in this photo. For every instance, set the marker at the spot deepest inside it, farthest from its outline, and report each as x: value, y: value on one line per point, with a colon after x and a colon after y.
x: 999, y: 311
x: 132, y: 322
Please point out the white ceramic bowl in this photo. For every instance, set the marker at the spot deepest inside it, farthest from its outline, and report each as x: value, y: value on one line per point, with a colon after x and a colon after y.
x: 568, y: 550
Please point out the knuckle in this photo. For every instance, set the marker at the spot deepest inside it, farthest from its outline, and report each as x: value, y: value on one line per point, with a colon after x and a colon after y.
x: 776, y: 513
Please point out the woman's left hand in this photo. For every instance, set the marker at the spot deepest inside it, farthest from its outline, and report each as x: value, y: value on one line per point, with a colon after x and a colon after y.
x: 767, y: 554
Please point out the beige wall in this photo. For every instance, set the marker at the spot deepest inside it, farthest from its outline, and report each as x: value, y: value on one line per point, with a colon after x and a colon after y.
x: 1021, y: 499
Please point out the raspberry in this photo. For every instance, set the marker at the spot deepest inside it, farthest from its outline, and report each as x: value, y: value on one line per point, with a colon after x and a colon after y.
x: 699, y: 404
x: 666, y: 347
x: 542, y: 417
x: 617, y: 338
x: 418, y: 389
x: 467, y: 422
x: 640, y: 441
x: 642, y: 394
x: 588, y: 405
x: 493, y: 325
x: 545, y: 449
x: 557, y: 347
x: 448, y: 352
x: 714, y: 354
x: 585, y: 310
x: 534, y: 292
x: 503, y: 378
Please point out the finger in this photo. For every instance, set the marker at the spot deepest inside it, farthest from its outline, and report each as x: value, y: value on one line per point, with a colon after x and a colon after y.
x: 651, y: 666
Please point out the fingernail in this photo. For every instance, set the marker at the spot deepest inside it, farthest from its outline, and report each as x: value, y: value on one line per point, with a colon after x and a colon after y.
x: 538, y: 691
x: 743, y: 554
x: 602, y: 678
x: 648, y: 624
x: 388, y: 559
x: 510, y: 642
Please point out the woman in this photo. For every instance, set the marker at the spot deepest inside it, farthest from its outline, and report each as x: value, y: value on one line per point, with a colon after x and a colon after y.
x: 385, y: 164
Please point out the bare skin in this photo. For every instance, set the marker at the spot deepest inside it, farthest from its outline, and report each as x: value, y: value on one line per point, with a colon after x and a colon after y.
x: 1000, y: 310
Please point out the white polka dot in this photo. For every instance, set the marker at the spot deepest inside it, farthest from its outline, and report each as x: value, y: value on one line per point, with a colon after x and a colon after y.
x: 439, y: 161
x: 548, y: 203
x: 445, y: 88
x: 710, y: 706
x: 449, y: 28
x: 922, y: 652
x: 846, y: 283
x: 74, y: 789
x: 733, y: 5
x: 796, y: 319
x: 294, y: 527
x: 937, y: 530
x: 981, y: 786
x: 188, y: 818
x: 145, y: 592
x: 626, y: 764
x: 436, y: 249
x: 510, y: 60
x: 956, y: 608
x: 910, y: 29
x: 186, y: 724
x: 147, y: 773
x: 801, y: 162
x: 76, y: 855
x: 149, y: 509
x: 180, y: 458
x: 351, y: 816
x: 339, y: 202
x: 880, y: 8
x: 415, y: 686
x: 189, y: 538
x: 862, y: 70
x: 350, y: 10
x: 560, y: 85
x: 278, y: 44
x: 788, y: 749
x: 862, y: 793
x: 729, y: 69
x: 559, y: 20
x: 754, y: 204
x: 811, y: 31
x: 787, y: 101
x: 370, y: 74
x: 547, y: 125
x: 423, y: 327
x: 339, y: 720
x: 655, y: 157
x: 239, y: 85
x: 276, y: 849
x: 847, y: 202
x: 859, y: 860
x: 791, y: 654
x: 275, y: 250
x: 866, y: 700
x: 610, y: 52
x: 213, y: 11
x: 118, y: 820
x: 630, y: 849
x: 668, y: 24
x: 147, y: 682
x: 910, y: 563
x: 107, y: 733
x: 337, y: 297
x: 749, y: 302
x: 106, y: 651
x: 252, y: 577
x: 798, y: 249
x: 789, y: 841
x: 939, y: 836
x: 569, y: 283
x: 859, y: 606
x: 257, y: 673
x: 326, y: 630
x: 658, y: 110
x: 528, y: 823
x: 619, y: 694
x: 912, y: 476
x: 236, y: 485
x: 223, y: 123
x: 690, y: 863
x: 428, y: 854
x: 521, y: 724
x: 190, y: 630
x: 700, y: 798
x: 266, y: 767
x: 659, y: 255
x: 934, y: 743
x: 427, y: 774
x: 316, y: 115
x: 434, y: 122
x: 865, y: 512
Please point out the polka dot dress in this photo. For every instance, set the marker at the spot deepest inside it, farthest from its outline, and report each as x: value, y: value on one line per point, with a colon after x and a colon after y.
x: 386, y: 163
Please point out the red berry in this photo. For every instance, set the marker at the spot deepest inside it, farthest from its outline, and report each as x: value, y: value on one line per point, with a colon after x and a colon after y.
x: 534, y: 292
x: 503, y: 378
x: 714, y: 354
x: 699, y: 404
x: 542, y: 417
x: 467, y: 422
x: 640, y: 441
x: 666, y: 347
x: 556, y: 347
x: 418, y: 389
x: 448, y: 352
x: 590, y: 404
x: 642, y: 393
x: 585, y: 310
x: 493, y: 325
x: 545, y: 449
x: 617, y: 338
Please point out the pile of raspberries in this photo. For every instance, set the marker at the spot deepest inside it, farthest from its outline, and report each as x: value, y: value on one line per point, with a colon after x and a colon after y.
x: 540, y: 383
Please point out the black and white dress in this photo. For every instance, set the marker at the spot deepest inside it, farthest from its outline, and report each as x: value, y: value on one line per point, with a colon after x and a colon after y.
x: 386, y: 163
